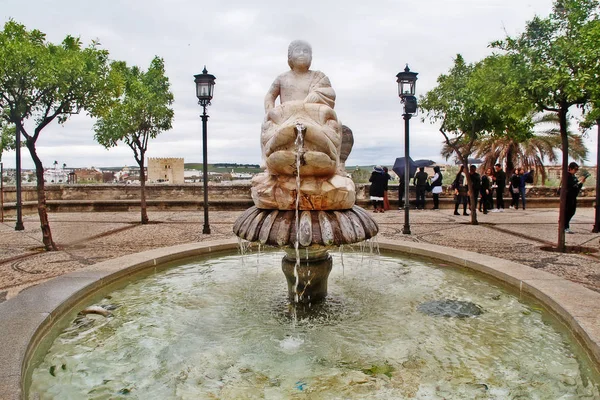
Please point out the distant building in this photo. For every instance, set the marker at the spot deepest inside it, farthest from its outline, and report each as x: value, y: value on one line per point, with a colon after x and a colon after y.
x: 165, y: 170
x: 88, y: 175
x: 56, y: 175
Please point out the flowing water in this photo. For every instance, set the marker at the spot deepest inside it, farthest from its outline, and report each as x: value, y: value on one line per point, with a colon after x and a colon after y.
x: 220, y: 328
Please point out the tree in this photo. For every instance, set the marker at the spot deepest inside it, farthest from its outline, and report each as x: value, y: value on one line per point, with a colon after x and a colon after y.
x: 7, y: 137
x: 41, y: 82
x: 528, y: 152
x: 474, y: 101
x: 557, y: 59
x: 140, y: 114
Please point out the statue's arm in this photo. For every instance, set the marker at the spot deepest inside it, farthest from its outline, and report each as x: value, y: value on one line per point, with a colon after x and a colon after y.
x: 272, y: 94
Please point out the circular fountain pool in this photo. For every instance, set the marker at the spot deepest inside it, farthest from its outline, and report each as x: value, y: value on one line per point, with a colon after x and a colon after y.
x: 221, y: 327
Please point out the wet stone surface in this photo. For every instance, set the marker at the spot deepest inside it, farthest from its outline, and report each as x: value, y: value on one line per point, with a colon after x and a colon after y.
x: 450, y: 308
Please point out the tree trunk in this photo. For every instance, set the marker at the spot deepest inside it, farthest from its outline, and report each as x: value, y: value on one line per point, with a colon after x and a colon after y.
x: 562, y: 116
x: 596, y: 227
x: 510, y: 164
x: 41, y: 195
x: 143, y: 189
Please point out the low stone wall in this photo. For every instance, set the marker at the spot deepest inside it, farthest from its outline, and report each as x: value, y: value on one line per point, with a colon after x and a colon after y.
x: 114, y: 197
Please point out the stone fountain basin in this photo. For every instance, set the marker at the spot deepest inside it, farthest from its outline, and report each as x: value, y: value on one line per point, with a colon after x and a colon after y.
x: 26, y: 321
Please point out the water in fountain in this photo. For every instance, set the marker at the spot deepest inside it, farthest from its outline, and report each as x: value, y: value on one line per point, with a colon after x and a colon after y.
x: 219, y: 328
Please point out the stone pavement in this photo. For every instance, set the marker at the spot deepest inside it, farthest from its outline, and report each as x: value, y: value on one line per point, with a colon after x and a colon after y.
x: 88, y: 238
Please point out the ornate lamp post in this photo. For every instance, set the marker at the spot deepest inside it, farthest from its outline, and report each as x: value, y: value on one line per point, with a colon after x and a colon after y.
x: 406, y: 90
x: 205, y: 84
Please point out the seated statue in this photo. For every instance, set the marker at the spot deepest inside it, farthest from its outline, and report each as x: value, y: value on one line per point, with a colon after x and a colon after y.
x: 306, y: 108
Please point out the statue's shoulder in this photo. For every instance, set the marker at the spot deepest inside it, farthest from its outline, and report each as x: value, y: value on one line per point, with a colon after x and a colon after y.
x: 319, y: 77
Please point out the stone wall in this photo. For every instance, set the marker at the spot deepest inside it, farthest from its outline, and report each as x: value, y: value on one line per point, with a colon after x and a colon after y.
x: 233, y: 191
x: 231, y: 196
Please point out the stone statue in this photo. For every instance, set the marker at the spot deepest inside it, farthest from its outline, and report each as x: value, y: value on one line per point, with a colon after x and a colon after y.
x: 306, y: 108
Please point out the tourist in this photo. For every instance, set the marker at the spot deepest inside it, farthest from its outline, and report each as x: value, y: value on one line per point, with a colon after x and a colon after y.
x: 460, y: 191
x: 513, y: 188
x: 500, y: 185
x: 573, y: 187
x: 526, y: 177
x: 420, y: 182
x: 475, y: 185
x: 400, y: 192
x: 386, y: 200
x: 376, y: 191
x: 486, y: 191
x: 436, y: 187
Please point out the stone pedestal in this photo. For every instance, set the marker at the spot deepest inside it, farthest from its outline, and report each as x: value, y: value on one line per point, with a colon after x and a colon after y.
x: 312, y: 278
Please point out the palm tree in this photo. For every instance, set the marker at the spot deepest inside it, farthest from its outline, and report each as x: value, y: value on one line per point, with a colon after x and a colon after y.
x: 528, y: 153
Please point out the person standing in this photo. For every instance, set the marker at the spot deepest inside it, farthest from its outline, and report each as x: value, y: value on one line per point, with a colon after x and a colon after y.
x: 475, y: 185
x: 573, y: 187
x: 513, y: 188
x: 420, y: 182
x: 486, y: 191
x: 526, y: 177
x: 378, y: 182
x: 500, y: 183
x: 401, y: 187
x: 460, y: 191
x: 436, y: 187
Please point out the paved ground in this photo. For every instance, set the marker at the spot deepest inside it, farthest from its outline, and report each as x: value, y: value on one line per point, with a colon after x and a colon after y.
x: 88, y: 238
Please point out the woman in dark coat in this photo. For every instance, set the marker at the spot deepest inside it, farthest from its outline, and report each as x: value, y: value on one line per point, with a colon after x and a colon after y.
x: 379, y: 182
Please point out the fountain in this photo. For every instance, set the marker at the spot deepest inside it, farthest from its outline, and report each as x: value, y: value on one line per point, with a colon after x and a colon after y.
x: 214, y: 326
x: 304, y: 201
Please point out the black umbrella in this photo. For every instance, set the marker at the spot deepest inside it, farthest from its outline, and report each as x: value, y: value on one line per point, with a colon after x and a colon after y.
x: 424, y: 163
x: 399, y: 166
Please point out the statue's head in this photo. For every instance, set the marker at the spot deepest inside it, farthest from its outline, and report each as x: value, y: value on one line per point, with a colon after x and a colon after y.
x: 299, y: 54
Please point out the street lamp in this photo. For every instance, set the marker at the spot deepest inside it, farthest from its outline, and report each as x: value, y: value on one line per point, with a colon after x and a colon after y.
x: 19, y: 225
x: 406, y: 90
x: 205, y: 84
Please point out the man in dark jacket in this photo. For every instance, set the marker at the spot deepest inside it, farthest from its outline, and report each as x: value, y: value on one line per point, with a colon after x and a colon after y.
x: 573, y: 187
x: 420, y: 182
x: 476, y: 185
x: 500, y: 182
x: 401, y: 192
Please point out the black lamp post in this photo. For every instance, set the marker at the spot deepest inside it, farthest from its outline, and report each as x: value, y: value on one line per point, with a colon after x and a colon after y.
x: 406, y: 90
x: 205, y: 84
x: 19, y: 225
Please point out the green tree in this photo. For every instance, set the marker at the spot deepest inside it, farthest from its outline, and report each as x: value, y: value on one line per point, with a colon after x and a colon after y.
x: 7, y: 136
x: 557, y: 58
x: 41, y: 82
x: 591, y: 37
x: 140, y: 114
x: 471, y: 102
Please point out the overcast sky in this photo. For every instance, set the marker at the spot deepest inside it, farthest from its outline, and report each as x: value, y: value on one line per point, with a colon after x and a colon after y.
x: 360, y: 46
